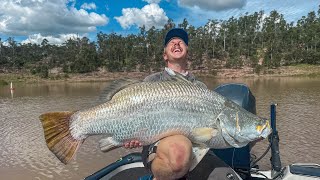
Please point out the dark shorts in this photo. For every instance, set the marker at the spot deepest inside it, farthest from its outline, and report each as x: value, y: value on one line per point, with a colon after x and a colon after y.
x: 148, y: 153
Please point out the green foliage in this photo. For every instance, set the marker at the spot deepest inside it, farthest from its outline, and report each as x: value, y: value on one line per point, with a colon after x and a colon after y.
x: 44, y: 72
x: 233, y: 62
x: 258, y: 69
x: 130, y: 64
x: 41, y: 70
x: 312, y: 57
x: 3, y: 82
x: 114, y: 66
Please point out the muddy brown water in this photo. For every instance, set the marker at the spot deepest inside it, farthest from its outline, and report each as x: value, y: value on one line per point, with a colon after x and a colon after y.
x: 24, y: 155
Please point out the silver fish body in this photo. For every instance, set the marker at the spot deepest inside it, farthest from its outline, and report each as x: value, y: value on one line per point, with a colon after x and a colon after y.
x: 149, y: 111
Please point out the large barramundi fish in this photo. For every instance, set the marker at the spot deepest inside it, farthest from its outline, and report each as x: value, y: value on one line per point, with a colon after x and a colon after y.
x: 149, y: 111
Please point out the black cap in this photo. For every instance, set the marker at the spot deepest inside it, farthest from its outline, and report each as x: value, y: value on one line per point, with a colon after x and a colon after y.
x: 176, y: 32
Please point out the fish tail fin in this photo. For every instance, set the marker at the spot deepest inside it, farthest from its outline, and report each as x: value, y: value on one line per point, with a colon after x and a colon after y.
x: 58, y: 136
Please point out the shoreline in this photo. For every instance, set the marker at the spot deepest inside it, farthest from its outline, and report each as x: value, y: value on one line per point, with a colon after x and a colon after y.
x: 245, y: 72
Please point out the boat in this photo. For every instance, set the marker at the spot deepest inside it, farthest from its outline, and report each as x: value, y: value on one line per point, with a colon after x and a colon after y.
x: 231, y: 163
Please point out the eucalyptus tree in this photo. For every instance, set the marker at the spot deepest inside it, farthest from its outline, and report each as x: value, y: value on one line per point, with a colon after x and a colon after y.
x: 102, y: 47
x: 293, y: 51
x: 155, y: 46
x: 232, y: 34
x: 211, y: 32
x: 169, y: 25
x: 253, y: 32
x: 86, y: 57
x: 70, y: 50
x: 192, y: 32
x: 197, y: 47
x: 311, y: 38
x: 131, y: 58
x: 311, y: 30
x: 116, y: 53
x: 273, y: 30
x: 141, y: 50
x: 184, y: 25
x: 12, y: 44
x: 232, y: 42
x: 1, y: 52
x: 222, y: 33
x: 250, y: 28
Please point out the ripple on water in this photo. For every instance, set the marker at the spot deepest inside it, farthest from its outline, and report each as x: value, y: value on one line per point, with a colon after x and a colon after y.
x: 22, y: 137
x: 23, y: 145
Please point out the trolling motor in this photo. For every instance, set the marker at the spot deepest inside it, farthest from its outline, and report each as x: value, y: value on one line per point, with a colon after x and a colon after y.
x: 274, y: 142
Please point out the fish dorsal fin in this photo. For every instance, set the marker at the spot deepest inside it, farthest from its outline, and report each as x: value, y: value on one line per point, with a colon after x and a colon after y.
x: 115, y: 87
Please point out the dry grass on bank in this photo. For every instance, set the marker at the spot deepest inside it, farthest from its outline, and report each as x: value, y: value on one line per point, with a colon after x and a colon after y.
x: 299, y: 70
x: 285, y: 71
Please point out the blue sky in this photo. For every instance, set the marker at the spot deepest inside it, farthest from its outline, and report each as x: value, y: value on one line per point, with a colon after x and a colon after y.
x: 58, y: 20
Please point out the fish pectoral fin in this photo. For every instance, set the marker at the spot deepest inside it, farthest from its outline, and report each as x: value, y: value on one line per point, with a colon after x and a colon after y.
x: 197, y: 154
x: 204, y: 134
x: 108, y: 144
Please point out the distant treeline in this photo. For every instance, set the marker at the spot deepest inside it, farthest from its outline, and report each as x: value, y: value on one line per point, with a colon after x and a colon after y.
x: 251, y: 40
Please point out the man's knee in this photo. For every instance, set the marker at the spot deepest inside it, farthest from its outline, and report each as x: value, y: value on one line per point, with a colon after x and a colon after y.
x: 177, y: 152
x: 179, y: 156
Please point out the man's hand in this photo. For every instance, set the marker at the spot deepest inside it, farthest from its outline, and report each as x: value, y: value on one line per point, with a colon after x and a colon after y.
x: 132, y: 144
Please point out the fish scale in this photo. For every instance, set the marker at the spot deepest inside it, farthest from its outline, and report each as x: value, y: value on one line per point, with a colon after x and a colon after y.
x: 146, y: 104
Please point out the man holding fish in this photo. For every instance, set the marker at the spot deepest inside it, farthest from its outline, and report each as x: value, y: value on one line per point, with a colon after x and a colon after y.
x: 170, y: 111
x: 172, y: 156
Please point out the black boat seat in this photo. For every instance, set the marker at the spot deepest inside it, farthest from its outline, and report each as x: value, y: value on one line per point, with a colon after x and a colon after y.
x: 128, y: 167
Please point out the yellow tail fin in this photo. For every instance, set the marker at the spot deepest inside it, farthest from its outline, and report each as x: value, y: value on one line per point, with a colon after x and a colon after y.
x: 57, y: 135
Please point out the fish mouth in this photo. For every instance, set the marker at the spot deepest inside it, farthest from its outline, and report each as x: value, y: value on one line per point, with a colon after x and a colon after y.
x: 262, y: 131
x: 265, y: 129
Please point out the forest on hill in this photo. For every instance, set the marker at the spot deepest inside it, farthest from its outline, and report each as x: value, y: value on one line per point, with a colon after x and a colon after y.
x: 252, y: 40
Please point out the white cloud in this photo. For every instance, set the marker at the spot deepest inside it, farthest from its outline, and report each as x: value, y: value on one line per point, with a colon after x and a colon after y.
x: 150, y: 15
x: 6, y: 43
x: 213, y: 5
x: 89, y: 6
x: 57, y: 40
x: 152, y: 1
x: 48, y: 17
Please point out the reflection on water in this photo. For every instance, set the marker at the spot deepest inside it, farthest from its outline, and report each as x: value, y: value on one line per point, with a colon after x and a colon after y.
x: 24, y: 154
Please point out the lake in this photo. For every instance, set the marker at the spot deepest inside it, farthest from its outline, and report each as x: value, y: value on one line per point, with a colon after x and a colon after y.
x: 24, y: 154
